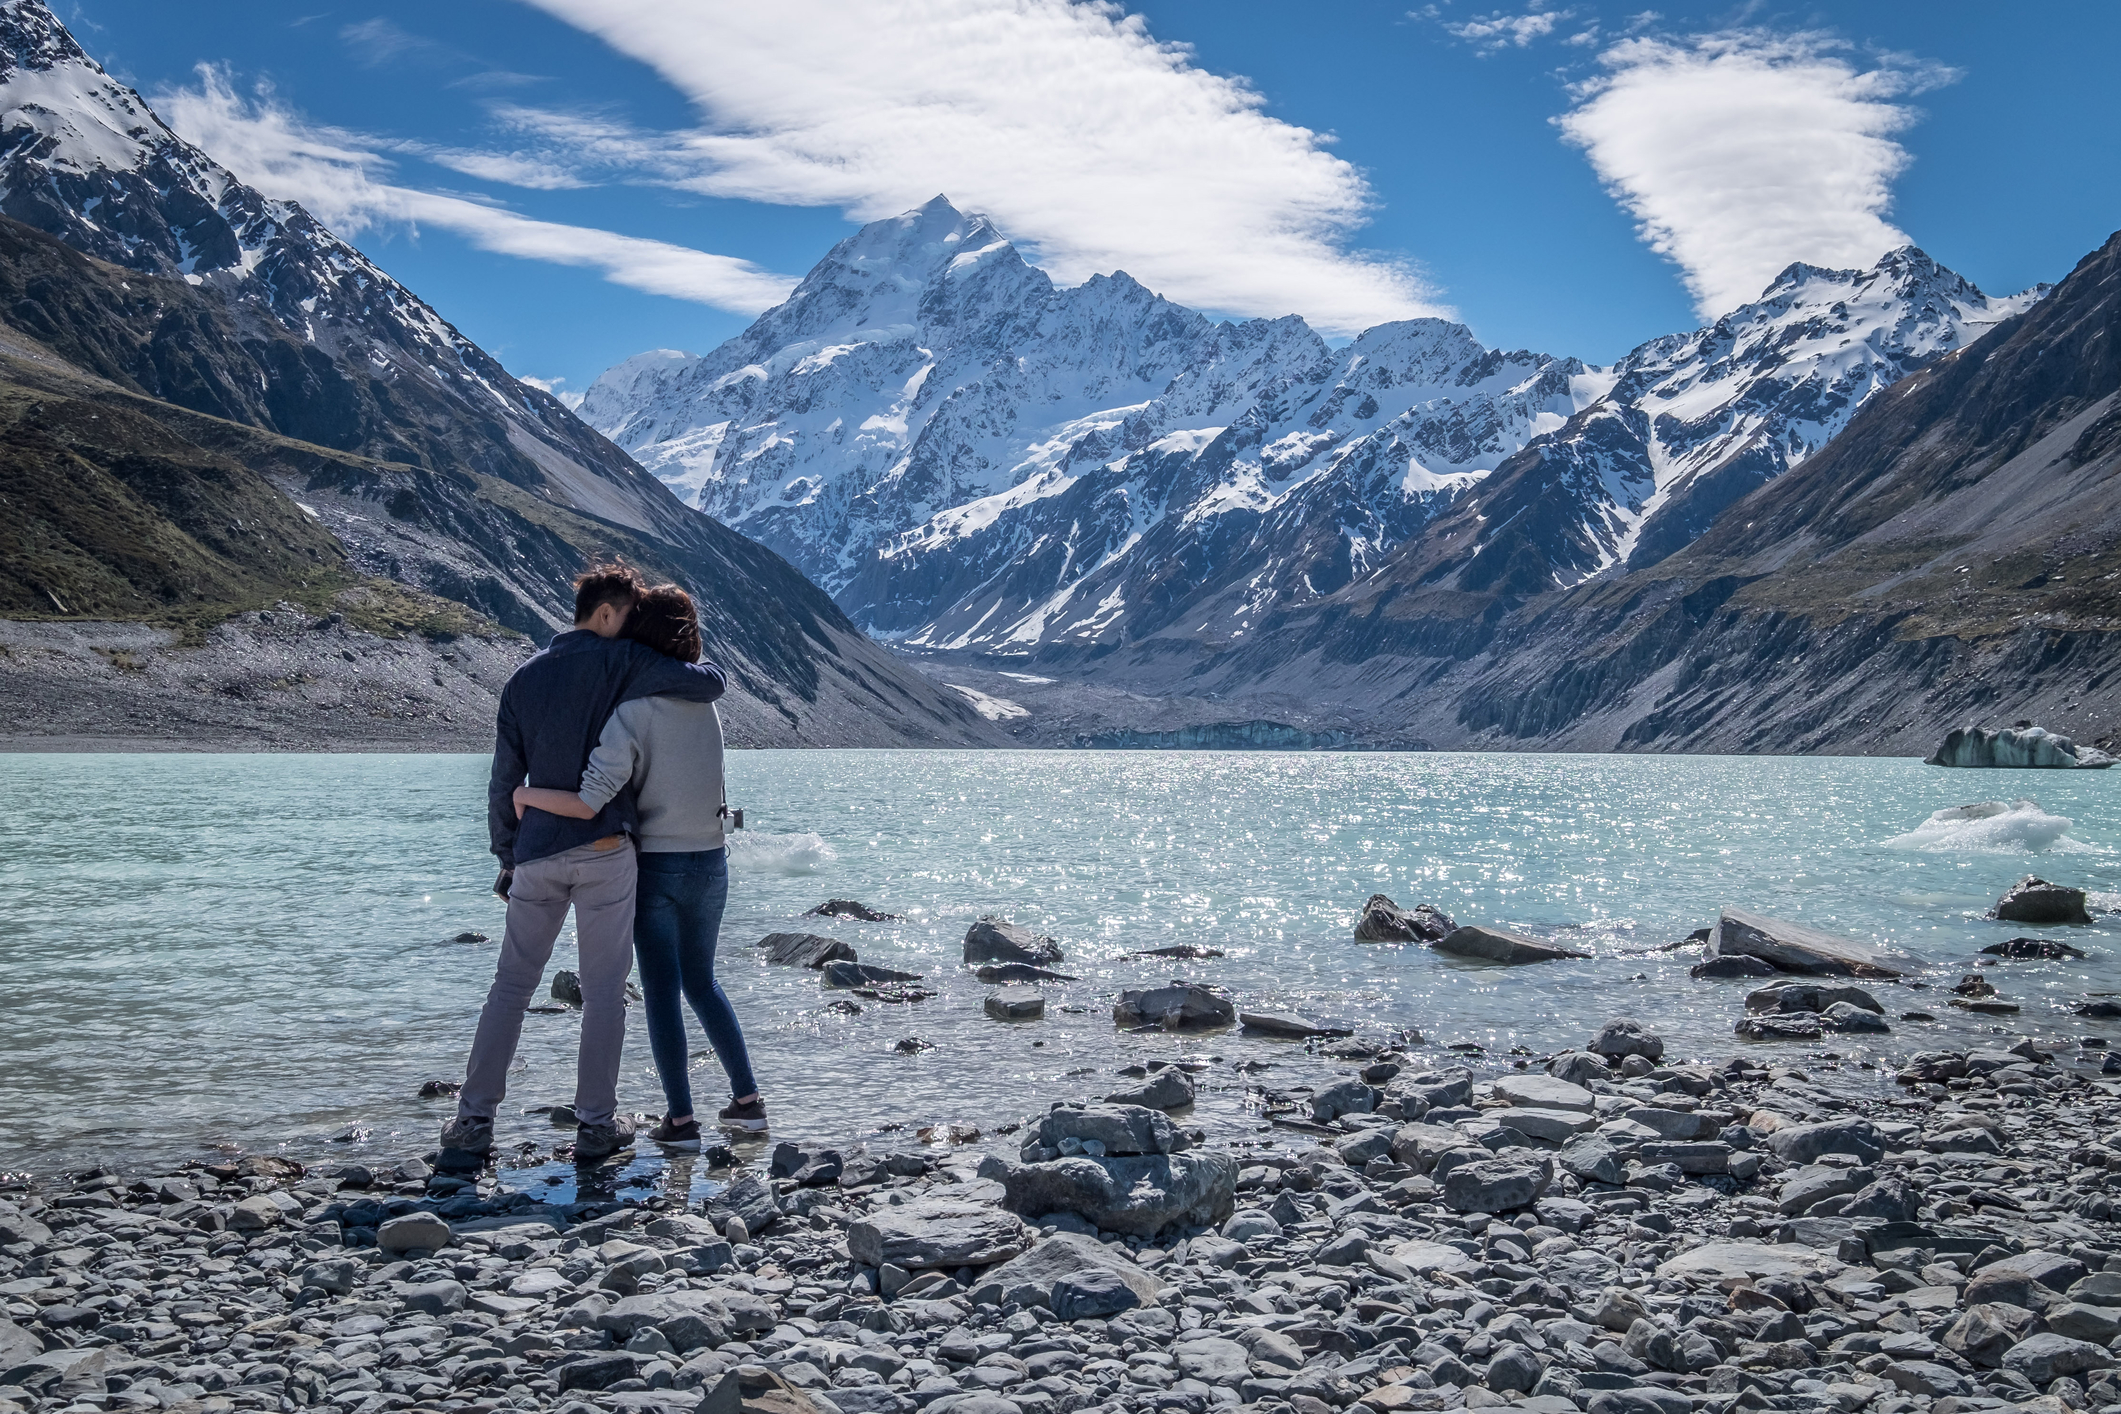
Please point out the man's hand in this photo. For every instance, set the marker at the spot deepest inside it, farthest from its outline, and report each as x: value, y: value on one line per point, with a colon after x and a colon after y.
x: 502, y: 882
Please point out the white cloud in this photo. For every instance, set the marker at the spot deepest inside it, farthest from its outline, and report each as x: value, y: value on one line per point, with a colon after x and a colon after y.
x: 341, y: 178
x: 552, y: 386
x: 1084, y: 137
x: 1493, y: 33
x: 1741, y: 152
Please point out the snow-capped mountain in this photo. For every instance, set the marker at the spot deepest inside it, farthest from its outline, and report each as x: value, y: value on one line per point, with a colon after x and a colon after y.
x: 1695, y: 421
x: 957, y: 449
x: 971, y: 458
x: 352, y: 359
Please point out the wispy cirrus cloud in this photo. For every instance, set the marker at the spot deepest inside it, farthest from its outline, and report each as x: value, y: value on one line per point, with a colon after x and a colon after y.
x: 1491, y: 34
x: 1087, y: 139
x: 1741, y: 152
x: 344, y: 179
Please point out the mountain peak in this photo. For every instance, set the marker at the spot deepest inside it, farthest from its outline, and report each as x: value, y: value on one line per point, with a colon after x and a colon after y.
x: 31, y: 37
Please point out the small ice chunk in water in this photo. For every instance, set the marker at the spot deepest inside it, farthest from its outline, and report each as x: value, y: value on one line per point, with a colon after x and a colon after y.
x: 780, y: 854
x: 1989, y: 827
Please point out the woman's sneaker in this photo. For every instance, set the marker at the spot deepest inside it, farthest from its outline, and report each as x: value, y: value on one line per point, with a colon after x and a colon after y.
x: 684, y: 1137
x: 751, y: 1116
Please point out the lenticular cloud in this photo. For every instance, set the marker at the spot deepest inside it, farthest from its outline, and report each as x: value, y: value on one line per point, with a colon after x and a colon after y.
x: 1741, y: 153
x: 1079, y: 133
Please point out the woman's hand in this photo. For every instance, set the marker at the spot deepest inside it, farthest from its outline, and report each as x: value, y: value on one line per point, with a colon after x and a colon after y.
x: 521, y: 803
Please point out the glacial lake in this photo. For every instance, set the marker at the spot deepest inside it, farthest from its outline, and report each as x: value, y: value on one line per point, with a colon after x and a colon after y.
x: 203, y: 951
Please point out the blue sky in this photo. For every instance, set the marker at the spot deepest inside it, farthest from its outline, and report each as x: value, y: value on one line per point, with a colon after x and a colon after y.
x: 750, y: 133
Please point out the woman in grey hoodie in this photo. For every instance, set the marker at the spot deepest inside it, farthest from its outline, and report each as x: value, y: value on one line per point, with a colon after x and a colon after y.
x: 671, y: 753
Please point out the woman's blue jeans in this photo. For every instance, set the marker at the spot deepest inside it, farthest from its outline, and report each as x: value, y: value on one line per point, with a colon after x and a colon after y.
x: 676, y: 922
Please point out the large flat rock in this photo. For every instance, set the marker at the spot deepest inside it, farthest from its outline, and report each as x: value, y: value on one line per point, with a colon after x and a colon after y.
x: 1792, y: 947
x: 1028, y: 1280
x: 937, y: 1232
x: 1750, y: 1259
x: 1478, y: 944
x: 1543, y: 1092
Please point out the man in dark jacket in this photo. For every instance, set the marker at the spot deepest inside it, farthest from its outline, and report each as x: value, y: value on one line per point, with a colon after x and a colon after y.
x: 552, y: 712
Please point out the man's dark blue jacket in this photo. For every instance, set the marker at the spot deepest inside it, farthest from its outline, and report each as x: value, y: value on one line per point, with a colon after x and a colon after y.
x: 552, y: 712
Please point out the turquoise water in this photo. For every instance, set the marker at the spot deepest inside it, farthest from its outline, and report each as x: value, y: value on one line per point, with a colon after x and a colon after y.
x: 253, y: 950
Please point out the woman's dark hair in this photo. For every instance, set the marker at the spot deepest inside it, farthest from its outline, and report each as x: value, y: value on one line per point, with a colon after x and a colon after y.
x: 609, y: 582
x: 665, y: 620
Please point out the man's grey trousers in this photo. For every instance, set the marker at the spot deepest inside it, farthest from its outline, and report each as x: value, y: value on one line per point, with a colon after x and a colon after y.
x: 600, y: 885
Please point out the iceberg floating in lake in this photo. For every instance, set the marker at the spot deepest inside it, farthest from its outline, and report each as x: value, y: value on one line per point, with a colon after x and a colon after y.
x: 1989, y: 827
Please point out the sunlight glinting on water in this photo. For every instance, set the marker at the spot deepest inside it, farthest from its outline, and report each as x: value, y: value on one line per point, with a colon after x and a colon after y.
x: 255, y: 949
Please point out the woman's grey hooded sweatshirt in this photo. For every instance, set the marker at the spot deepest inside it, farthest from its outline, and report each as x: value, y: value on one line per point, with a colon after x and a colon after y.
x: 672, y: 752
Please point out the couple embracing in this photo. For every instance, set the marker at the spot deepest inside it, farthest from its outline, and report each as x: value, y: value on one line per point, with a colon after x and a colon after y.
x: 607, y: 795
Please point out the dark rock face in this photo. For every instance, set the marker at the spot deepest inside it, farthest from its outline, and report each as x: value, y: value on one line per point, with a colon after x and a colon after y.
x: 1384, y: 921
x: 2035, y: 900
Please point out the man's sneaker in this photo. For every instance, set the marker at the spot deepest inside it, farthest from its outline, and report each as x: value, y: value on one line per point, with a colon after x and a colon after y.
x: 751, y: 1115
x: 684, y: 1137
x: 594, y: 1143
x: 467, y: 1135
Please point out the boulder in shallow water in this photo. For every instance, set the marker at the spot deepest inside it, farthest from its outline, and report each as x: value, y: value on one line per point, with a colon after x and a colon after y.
x: 567, y: 988
x: 1016, y: 1004
x: 1019, y: 972
x: 2015, y: 748
x: 1848, y: 1017
x: 804, y: 949
x: 1181, y: 1006
x: 1792, y: 947
x: 998, y: 940
x: 850, y: 908
x: 2034, y: 900
x: 1184, y: 951
x: 1780, y: 1026
x: 1735, y: 965
x: 1496, y: 945
x: 1623, y: 1037
x: 1384, y: 921
x: 862, y: 974
x: 1808, y: 996
x: 1288, y: 1024
x: 2044, y: 949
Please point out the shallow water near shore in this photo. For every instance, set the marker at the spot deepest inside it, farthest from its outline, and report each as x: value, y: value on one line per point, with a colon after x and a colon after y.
x: 255, y: 951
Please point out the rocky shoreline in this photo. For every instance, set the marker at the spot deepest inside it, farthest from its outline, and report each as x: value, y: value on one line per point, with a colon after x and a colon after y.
x: 1601, y: 1231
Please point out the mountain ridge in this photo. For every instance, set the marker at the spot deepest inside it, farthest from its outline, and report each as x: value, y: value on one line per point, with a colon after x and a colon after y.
x: 972, y: 459
x: 136, y: 272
